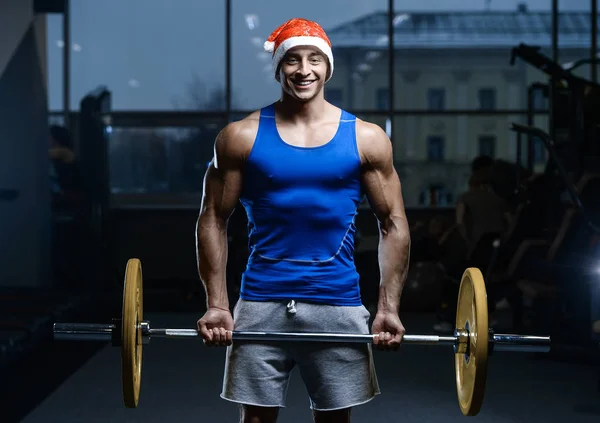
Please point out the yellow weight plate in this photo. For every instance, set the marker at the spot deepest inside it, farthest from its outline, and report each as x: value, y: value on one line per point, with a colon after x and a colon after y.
x: 131, y: 342
x: 471, y: 366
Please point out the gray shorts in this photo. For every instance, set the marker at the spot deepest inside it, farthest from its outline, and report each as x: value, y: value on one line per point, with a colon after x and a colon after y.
x: 336, y: 375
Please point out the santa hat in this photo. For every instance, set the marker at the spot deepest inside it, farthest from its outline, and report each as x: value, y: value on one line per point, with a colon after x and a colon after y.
x: 298, y: 32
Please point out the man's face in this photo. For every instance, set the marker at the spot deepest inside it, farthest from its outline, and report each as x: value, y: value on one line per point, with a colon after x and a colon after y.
x: 302, y: 72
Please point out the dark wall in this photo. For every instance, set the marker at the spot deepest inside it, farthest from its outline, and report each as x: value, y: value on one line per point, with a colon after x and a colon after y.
x: 15, y: 18
x: 164, y: 240
x: 25, y: 220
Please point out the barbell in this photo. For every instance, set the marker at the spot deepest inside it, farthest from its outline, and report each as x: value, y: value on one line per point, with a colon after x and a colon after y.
x: 472, y: 340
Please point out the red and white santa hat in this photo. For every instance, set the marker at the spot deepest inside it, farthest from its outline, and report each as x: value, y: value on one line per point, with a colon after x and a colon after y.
x: 298, y: 32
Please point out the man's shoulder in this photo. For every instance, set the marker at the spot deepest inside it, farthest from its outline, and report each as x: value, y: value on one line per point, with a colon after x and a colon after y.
x: 245, y: 128
x: 239, y: 135
x: 371, y: 133
x: 373, y: 142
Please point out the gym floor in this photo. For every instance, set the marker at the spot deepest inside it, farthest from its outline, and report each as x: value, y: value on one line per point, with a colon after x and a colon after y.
x: 181, y: 381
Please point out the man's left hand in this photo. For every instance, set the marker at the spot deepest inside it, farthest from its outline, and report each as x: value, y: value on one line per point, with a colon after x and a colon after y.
x: 390, y: 331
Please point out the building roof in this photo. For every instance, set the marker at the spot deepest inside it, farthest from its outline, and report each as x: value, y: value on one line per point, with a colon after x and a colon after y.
x: 464, y: 29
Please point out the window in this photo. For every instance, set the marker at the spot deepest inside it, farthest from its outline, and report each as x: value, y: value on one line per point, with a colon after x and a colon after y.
x: 539, y: 151
x: 146, y: 160
x: 487, y: 99
x: 457, y: 33
x: 436, y: 99
x: 382, y: 100
x: 334, y: 96
x: 435, y: 148
x: 435, y: 195
x: 54, y: 57
x: 540, y: 101
x: 487, y: 145
x: 571, y: 21
x: 116, y: 44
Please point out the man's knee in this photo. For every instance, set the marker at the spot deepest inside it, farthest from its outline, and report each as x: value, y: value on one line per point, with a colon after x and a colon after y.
x: 335, y: 416
x: 255, y: 414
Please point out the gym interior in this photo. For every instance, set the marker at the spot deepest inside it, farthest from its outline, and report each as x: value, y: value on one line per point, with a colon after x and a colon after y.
x: 111, y: 110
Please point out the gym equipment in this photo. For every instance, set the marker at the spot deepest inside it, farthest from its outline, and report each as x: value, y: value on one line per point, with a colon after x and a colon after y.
x: 568, y: 183
x: 574, y: 103
x: 472, y: 340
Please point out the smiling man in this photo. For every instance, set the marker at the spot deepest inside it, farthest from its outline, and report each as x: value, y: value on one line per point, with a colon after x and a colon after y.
x: 300, y: 167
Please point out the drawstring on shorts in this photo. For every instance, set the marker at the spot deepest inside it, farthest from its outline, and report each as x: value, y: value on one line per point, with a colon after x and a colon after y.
x: 291, y: 307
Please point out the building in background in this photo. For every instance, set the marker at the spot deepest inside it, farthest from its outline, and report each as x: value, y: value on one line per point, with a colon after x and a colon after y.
x: 443, y: 62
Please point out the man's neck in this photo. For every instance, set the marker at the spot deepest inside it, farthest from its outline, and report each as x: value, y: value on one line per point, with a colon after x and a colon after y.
x: 302, y: 112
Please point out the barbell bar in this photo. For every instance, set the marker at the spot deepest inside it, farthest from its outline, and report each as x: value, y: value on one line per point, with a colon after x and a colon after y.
x: 472, y: 340
x: 105, y: 333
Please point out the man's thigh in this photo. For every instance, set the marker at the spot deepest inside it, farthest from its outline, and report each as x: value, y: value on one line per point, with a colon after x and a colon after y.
x: 337, y: 375
x: 258, y: 373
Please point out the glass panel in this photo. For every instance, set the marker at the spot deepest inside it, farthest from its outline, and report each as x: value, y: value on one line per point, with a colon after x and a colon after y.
x: 54, y: 53
x: 383, y: 99
x: 436, y: 99
x: 151, y: 55
x: 359, y: 50
x: 433, y: 154
x: 56, y: 119
x: 436, y: 148
x: 487, y: 146
x: 465, y: 50
x: 161, y: 160
x: 540, y: 154
x: 574, y: 40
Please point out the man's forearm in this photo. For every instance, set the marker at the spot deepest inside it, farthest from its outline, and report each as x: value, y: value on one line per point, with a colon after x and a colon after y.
x: 211, y: 255
x: 394, y: 255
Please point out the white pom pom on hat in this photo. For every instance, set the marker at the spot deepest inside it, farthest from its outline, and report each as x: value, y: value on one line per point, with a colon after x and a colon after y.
x: 269, y: 46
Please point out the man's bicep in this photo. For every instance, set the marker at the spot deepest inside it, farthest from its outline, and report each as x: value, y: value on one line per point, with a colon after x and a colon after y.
x: 382, y: 186
x: 223, y: 181
x: 222, y: 189
x: 384, y: 193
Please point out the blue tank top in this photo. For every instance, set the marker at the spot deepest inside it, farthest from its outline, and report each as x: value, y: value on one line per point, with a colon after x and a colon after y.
x: 301, y: 204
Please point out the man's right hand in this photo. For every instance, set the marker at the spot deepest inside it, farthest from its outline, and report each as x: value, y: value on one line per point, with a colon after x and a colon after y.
x: 215, y: 327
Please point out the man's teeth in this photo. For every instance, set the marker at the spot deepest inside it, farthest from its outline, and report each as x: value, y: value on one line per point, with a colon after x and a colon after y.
x: 303, y: 82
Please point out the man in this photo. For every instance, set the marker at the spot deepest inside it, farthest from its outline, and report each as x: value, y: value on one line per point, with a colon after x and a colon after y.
x: 300, y: 167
